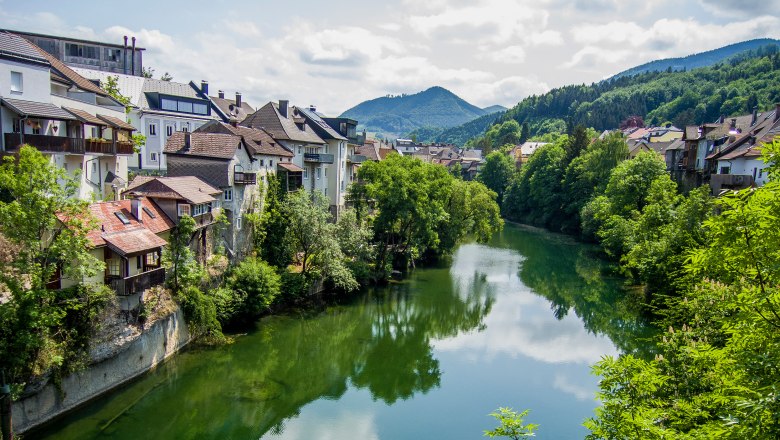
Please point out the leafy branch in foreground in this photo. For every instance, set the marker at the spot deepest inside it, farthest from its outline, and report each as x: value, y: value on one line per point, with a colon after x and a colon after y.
x: 512, y: 425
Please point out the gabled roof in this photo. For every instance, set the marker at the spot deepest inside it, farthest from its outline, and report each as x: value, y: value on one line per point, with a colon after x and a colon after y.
x: 14, y: 46
x: 257, y: 140
x: 129, y: 85
x: 112, y: 229
x: 229, y: 108
x: 324, y: 130
x: 116, y: 122
x: 189, y: 188
x: 84, y: 117
x: 213, y: 145
x: 269, y: 119
x: 38, y: 109
x: 70, y: 74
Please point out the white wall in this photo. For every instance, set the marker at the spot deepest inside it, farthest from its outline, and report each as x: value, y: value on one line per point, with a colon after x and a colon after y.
x: 36, y: 81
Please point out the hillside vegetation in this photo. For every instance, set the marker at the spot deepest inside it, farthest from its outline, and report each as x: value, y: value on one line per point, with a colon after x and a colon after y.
x: 682, y: 98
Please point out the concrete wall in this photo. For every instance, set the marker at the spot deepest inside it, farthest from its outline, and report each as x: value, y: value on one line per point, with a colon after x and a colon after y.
x: 161, y: 340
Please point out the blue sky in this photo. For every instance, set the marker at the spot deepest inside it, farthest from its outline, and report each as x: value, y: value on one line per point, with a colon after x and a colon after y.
x: 339, y: 53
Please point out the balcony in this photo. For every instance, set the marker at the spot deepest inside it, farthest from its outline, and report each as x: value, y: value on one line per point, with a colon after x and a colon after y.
x: 45, y: 143
x: 318, y: 158
x: 125, y: 147
x: 356, y: 158
x: 98, y: 146
x: 138, y: 283
x: 244, y: 178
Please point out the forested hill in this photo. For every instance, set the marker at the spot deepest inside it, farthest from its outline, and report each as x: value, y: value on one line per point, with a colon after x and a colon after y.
x: 682, y: 98
x: 698, y: 60
x: 396, y: 116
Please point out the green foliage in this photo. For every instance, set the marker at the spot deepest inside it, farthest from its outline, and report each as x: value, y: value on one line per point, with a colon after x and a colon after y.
x: 201, y: 314
x: 496, y: 173
x: 183, y: 269
x: 354, y: 239
x: 312, y: 238
x: 512, y: 425
x: 43, y: 228
x: 111, y: 86
x: 254, y: 285
x: 416, y: 210
x: 270, y: 230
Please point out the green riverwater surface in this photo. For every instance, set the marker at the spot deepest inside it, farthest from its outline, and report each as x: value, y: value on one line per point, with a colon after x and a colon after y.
x: 514, y: 323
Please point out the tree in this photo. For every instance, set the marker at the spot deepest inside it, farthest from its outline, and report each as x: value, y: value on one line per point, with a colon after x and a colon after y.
x: 147, y: 72
x: 111, y: 86
x: 354, y: 238
x: 312, y: 238
x: 496, y: 173
x: 576, y: 143
x: 255, y: 285
x: 525, y: 133
x: 271, y: 230
x: 43, y: 231
x: 512, y: 425
x: 183, y: 270
x: 166, y: 77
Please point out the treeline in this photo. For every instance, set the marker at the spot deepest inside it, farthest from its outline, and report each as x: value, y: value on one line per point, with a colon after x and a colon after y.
x: 710, y: 271
x: 681, y: 98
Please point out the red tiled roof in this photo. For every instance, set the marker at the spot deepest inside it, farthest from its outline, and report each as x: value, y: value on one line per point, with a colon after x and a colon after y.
x: 216, y: 145
x: 109, y: 224
x: 189, y: 188
x: 133, y: 242
x: 84, y: 116
x: 69, y: 73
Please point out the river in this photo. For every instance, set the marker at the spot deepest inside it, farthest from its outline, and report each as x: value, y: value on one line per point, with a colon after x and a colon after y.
x: 516, y: 322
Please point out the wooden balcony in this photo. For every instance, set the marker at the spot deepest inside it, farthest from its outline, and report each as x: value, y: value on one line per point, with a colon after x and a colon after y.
x: 98, y: 146
x: 44, y: 143
x: 244, y: 178
x: 137, y: 283
x: 125, y: 147
x: 318, y: 158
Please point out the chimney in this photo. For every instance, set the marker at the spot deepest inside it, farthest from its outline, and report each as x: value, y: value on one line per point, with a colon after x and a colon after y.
x: 312, y: 108
x: 283, y: 103
x: 238, y: 99
x: 136, y: 209
x: 204, y: 87
x: 132, y: 59
x: 221, y: 94
x: 755, y: 116
x: 187, y: 140
x: 124, y: 57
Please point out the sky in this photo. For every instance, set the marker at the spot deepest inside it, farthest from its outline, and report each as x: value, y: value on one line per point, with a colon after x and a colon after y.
x: 337, y: 54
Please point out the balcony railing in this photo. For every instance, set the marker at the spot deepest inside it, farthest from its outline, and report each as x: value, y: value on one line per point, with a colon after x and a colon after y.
x: 98, y: 146
x: 138, y: 283
x: 125, y: 147
x: 356, y: 158
x: 316, y: 157
x: 53, y: 144
x: 244, y: 178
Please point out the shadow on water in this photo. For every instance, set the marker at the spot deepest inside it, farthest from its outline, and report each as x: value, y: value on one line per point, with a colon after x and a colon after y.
x: 381, y: 342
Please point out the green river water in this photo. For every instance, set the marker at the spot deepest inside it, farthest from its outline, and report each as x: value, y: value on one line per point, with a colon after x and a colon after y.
x: 516, y: 323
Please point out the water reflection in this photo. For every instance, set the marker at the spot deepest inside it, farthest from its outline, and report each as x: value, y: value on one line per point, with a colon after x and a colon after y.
x: 443, y: 348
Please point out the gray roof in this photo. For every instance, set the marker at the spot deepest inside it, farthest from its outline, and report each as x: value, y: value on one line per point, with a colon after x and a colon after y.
x: 38, y: 109
x: 189, y: 188
x: 269, y: 119
x: 323, y: 129
x: 17, y: 47
x: 166, y: 88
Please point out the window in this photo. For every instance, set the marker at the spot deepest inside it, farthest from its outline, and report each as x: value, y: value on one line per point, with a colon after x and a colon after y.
x: 16, y: 82
x: 184, y: 209
x: 152, y: 259
x: 149, y: 212
x: 152, y: 157
x: 94, y: 132
x: 36, y: 130
x: 238, y: 223
x: 169, y: 130
x: 200, y: 209
x: 299, y: 149
x: 270, y: 162
x: 168, y: 104
x: 306, y: 172
x: 138, y: 262
x: 325, y: 172
x: 185, y: 106
x: 201, y: 109
x: 342, y: 185
x: 761, y: 173
x: 325, y: 191
x: 152, y: 130
x: 16, y: 125
x: 725, y: 170
x: 113, y: 267
x: 94, y: 168
x: 326, y: 148
x: 113, y: 54
x: 227, y: 195
x: 122, y: 217
x: 318, y: 172
x: 185, y: 126
x: 80, y: 50
x: 262, y: 162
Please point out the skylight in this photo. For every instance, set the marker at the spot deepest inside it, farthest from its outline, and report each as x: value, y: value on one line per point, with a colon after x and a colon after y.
x: 121, y: 216
x: 149, y: 212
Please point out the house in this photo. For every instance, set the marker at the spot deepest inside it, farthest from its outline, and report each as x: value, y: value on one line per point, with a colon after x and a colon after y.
x: 335, y: 172
x: 75, y: 123
x: 234, y: 110
x: 289, y: 129
x: 158, y: 109
x: 122, y: 58
x: 129, y: 239
x: 406, y: 146
x: 180, y: 196
x: 348, y: 128
x: 521, y: 153
x: 225, y: 162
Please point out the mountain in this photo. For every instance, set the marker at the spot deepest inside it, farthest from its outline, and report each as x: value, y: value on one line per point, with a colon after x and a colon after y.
x: 460, y: 134
x: 394, y: 116
x: 494, y: 109
x: 733, y: 86
x: 695, y: 61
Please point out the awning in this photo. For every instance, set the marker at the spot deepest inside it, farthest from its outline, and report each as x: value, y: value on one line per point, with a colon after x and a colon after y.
x: 34, y: 109
x: 289, y: 166
x: 83, y: 116
x: 134, y: 242
x: 116, y: 122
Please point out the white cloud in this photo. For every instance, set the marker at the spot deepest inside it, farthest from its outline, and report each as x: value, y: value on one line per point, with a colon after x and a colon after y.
x: 509, y: 54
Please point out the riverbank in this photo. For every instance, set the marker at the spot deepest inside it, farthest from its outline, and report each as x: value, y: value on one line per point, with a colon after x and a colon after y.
x: 135, y: 357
